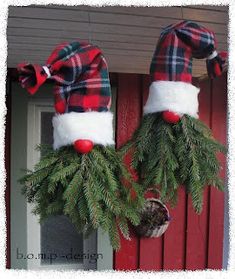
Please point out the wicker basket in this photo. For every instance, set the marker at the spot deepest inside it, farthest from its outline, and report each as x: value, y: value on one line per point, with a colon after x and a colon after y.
x: 155, y: 219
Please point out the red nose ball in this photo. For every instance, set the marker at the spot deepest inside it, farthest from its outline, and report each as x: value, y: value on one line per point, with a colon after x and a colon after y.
x: 170, y: 117
x: 83, y: 146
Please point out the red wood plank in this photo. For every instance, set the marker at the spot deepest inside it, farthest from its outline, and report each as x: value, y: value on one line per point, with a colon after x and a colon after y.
x: 197, y: 225
x: 167, y: 252
x: 145, y: 88
x: 150, y: 248
x: 151, y: 254
x: 174, y: 237
x: 216, y: 221
x: 128, y: 117
x: 180, y: 234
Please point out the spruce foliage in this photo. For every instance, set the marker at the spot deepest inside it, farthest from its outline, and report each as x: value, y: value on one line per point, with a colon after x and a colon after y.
x: 168, y: 156
x: 90, y: 189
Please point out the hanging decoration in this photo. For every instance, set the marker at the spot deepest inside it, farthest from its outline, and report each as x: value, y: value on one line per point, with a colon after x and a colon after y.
x: 154, y: 219
x: 82, y: 176
x: 172, y: 147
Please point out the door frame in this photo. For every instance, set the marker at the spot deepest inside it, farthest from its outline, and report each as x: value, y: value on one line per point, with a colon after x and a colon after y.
x: 19, y: 99
x: 35, y: 108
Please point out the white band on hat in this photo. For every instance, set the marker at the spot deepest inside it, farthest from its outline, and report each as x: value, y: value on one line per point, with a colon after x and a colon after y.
x: 212, y: 55
x: 176, y: 96
x: 47, y: 71
x: 95, y: 126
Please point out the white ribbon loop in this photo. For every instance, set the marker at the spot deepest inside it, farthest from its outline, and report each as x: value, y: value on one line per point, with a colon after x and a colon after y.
x: 212, y: 55
x: 47, y: 71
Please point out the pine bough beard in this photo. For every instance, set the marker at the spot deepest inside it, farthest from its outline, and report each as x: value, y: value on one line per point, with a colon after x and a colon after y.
x: 167, y: 156
x: 94, y: 189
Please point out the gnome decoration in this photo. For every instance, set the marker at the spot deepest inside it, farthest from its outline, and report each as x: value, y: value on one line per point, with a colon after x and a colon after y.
x: 171, y: 146
x: 82, y: 176
x: 171, y: 91
x: 82, y: 95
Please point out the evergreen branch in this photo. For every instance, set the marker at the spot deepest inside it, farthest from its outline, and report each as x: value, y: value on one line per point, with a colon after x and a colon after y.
x: 87, y: 188
x: 167, y: 156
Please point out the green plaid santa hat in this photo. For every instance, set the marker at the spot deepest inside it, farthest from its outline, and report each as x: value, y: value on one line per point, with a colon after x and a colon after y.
x: 82, y: 93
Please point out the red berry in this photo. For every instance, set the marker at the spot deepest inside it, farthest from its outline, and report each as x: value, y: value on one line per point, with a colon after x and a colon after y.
x: 83, y: 146
x: 170, y: 117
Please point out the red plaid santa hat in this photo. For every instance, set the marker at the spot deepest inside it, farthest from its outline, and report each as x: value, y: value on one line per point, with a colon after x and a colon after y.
x: 82, y: 93
x: 171, y: 67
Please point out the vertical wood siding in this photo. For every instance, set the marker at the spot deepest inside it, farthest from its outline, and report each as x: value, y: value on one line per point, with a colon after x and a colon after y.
x: 192, y: 241
x: 129, y: 107
x: 216, y: 205
x: 150, y: 253
x: 197, y: 225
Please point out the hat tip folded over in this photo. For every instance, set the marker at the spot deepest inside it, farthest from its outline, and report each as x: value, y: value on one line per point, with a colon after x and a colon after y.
x: 217, y: 65
x: 31, y: 77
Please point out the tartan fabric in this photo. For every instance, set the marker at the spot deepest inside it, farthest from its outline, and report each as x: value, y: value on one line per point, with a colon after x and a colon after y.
x: 177, y: 46
x: 216, y: 65
x: 80, y: 74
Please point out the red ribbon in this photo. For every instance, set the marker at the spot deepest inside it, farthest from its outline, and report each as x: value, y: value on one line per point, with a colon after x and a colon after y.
x: 31, y: 76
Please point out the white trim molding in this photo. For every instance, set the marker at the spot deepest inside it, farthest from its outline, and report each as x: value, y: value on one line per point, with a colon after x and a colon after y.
x: 35, y: 108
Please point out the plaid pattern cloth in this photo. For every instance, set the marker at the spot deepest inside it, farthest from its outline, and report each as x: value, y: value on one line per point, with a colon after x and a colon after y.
x: 80, y: 74
x: 177, y: 46
x: 217, y: 65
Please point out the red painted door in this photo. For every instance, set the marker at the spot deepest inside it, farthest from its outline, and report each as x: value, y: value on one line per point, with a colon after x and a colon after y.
x: 192, y: 241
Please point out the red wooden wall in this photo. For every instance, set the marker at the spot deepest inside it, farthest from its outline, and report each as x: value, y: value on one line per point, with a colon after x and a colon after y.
x: 192, y: 241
